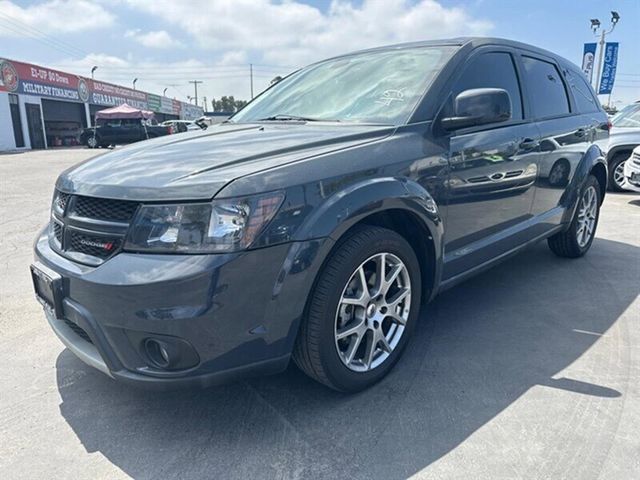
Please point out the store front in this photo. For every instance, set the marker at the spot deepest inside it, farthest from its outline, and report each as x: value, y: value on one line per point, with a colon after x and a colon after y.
x: 63, y: 122
x: 49, y: 108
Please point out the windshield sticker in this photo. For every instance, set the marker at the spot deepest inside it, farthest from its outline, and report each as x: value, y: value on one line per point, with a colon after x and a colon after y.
x: 390, y: 96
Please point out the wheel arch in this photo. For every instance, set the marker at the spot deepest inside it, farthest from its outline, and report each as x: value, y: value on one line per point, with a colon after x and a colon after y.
x: 593, y: 161
x: 397, y: 204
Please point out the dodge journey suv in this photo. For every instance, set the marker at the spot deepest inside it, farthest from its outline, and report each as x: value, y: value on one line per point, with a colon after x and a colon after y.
x: 313, y: 224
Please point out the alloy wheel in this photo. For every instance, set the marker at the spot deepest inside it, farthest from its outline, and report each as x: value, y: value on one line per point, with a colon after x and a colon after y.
x: 618, y: 175
x: 587, y: 211
x: 373, y: 312
x: 92, y: 142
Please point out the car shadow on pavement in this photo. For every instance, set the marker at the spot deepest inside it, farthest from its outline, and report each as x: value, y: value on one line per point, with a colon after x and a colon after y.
x: 478, y: 349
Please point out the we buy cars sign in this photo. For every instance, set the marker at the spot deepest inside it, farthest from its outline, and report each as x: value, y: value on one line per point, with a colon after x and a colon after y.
x: 31, y: 79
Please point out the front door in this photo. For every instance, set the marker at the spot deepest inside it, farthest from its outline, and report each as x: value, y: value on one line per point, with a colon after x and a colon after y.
x: 34, y: 124
x: 493, y: 171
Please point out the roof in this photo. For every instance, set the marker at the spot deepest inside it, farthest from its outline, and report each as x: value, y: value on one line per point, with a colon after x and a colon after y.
x: 123, y: 111
x: 472, y: 42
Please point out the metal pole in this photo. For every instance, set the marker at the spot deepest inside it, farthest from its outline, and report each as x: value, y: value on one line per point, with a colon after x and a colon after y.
x: 251, y: 76
x: 602, y: 35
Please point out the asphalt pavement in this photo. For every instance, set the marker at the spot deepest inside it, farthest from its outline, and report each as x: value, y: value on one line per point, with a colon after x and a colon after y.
x: 530, y: 370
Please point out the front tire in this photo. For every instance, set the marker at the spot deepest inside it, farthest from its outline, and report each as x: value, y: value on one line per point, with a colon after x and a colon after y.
x: 92, y: 142
x: 577, y: 239
x: 362, y: 310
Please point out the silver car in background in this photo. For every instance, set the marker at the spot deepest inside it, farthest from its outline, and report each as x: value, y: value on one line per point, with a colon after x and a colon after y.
x: 624, y: 136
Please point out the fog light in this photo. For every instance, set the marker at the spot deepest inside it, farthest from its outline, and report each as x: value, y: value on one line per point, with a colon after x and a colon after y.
x: 157, y: 353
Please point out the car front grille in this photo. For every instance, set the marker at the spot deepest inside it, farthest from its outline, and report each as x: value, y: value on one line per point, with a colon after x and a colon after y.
x: 104, y: 209
x: 636, y: 158
x: 89, y: 230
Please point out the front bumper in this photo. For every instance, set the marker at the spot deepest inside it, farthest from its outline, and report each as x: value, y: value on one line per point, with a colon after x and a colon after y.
x: 238, y: 312
x: 631, y: 167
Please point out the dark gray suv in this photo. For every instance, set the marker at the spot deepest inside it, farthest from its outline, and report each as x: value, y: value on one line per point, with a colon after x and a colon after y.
x: 313, y: 223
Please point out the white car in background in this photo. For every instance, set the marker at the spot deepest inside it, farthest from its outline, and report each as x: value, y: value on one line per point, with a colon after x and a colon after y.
x: 180, y: 126
x: 632, y: 171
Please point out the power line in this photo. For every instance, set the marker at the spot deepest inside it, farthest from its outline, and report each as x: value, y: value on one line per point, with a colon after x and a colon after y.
x: 22, y: 28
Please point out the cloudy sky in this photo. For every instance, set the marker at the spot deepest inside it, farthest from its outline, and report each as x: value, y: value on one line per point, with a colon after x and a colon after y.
x: 166, y: 43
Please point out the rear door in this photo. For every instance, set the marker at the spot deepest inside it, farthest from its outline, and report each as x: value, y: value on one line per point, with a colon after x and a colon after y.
x: 492, y: 170
x: 565, y: 133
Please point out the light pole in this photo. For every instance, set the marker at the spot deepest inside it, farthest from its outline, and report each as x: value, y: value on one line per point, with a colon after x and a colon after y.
x: 164, y: 92
x: 93, y: 69
x: 595, y: 25
x: 134, y: 83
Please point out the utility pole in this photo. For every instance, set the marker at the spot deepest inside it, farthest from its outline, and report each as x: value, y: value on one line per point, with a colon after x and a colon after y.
x: 195, y: 86
x: 204, y: 103
x: 251, y: 77
x: 595, y: 25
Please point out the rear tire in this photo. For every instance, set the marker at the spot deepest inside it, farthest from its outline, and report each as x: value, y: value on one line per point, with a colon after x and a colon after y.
x: 386, y: 309
x: 616, y: 172
x: 577, y: 239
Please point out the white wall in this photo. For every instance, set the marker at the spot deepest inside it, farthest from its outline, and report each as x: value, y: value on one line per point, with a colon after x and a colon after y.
x: 7, y: 140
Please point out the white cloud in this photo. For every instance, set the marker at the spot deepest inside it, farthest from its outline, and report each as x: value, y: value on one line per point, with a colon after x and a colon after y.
x: 52, y: 17
x: 292, y: 33
x: 157, y: 39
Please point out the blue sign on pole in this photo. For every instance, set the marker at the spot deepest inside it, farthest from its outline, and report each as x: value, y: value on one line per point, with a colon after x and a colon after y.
x: 588, y: 57
x: 609, y: 68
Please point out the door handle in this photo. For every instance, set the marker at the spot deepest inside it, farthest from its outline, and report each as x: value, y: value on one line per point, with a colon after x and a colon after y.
x: 529, y: 144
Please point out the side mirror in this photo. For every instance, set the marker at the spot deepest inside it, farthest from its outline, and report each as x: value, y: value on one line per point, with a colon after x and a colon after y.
x: 479, y: 106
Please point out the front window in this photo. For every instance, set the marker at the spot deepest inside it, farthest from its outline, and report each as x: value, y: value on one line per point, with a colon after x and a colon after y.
x: 628, y: 117
x: 380, y: 87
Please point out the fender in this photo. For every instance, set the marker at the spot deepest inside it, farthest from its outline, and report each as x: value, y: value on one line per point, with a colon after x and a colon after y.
x: 569, y: 199
x: 346, y: 208
x: 614, y: 150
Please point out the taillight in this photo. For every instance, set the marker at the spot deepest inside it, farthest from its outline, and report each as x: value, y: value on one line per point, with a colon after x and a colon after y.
x: 170, y: 130
x: 609, y: 125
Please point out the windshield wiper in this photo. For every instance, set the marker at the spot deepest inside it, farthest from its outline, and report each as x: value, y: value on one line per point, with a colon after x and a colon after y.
x: 283, y: 117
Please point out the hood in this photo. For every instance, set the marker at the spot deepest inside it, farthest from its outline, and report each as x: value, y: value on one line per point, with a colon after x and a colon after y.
x: 196, y: 165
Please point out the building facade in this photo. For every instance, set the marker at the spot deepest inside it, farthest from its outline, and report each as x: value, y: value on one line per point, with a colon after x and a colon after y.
x: 44, y: 108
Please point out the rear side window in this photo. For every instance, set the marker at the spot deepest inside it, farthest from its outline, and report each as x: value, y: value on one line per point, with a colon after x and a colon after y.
x: 545, y: 87
x: 582, y: 93
x: 492, y: 70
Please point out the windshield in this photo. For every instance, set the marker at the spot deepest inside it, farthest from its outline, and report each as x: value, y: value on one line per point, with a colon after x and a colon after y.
x: 373, y: 87
x: 628, y: 117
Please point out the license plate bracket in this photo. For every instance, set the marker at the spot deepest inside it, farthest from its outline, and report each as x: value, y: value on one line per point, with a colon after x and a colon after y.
x: 47, y: 285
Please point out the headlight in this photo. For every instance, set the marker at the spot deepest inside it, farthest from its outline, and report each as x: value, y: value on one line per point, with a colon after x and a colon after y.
x: 218, y: 226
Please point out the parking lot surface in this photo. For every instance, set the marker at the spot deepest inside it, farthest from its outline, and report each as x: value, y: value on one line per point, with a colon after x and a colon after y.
x: 530, y: 370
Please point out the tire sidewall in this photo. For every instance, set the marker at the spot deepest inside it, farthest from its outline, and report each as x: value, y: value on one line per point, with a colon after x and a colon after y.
x: 338, y: 373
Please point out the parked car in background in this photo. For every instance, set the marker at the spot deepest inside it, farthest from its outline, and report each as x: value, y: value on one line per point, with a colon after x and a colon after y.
x: 311, y: 225
x: 624, y: 136
x: 632, y: 171
x: 120, y: 131
x: 180, y: 126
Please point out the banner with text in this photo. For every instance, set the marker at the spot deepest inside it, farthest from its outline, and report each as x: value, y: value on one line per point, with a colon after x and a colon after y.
x: 609, y: 66
x: 588, y: 59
